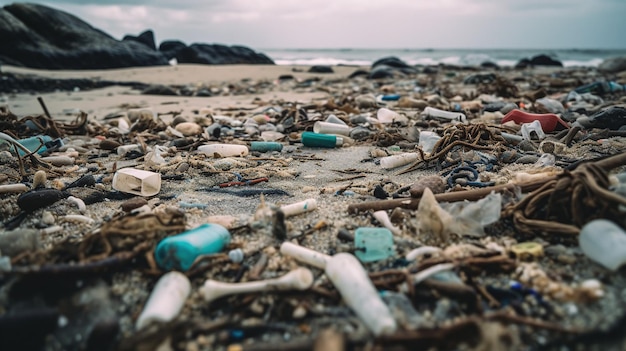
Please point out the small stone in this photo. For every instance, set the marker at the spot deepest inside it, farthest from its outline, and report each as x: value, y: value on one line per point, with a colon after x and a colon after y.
x: 133, y: 203
x: 39, y: 180
x: 109, y: 144
x: 434, y: 183
x: 47, y: 218
x: 189, y: 128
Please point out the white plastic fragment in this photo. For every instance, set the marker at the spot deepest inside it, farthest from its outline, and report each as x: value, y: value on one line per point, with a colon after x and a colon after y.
x: 137, y: 182
x: 299, y: 207
x: 124, y: 149
x: 428, y: 140
x: 421, y: 251
x: 383, y: 218
x: 298, y: 279
x: 223, y: 150
x: 429, y: 272
x: 604, y: 242
x: 350, y: 278
x: 387, y: 116
x: 394, y: 161
x: 166, y: 300
x: 452, y: 116
x: 51, y: 230
x: 331, y: 128
x: 534, y: 126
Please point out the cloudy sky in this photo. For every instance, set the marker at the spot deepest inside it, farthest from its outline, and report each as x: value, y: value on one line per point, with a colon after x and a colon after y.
x: 541, y: 24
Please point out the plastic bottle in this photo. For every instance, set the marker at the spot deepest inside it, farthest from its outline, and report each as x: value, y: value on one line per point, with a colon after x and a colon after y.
x: 389, y: 162
x: 166, y: 300
x: 321, y: 140
x: 265, y: 146
x: 41, y: 143
x: 600, y: 88
x: 180, y: 251
x: 223, y: 150
x: 351, y: 280
x: 331, y: 128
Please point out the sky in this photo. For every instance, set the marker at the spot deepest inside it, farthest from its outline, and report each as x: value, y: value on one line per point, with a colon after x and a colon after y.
x: 541, y: 24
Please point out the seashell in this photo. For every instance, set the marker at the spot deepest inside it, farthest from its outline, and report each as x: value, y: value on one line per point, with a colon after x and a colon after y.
x: 189, y: 128
x: 38, y: 198
x: 435, y: 183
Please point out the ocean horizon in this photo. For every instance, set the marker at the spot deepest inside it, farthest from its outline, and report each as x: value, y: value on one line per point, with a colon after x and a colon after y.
x: 425, y: 56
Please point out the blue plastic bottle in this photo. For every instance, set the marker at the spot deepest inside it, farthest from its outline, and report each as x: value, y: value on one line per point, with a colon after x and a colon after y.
x: 180, y: 251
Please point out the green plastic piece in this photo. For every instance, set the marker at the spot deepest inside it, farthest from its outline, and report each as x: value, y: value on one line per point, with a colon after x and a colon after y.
x: 373, y: 244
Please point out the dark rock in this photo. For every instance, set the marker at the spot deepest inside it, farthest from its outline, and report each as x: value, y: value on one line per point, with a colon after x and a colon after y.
x: 479, y: 78
x: 494, y: 106
x: 489, y: 64
x: 146, y: 38
x: 613, y: 65
x: 159, y: 90
x: 391, y: 61
x: 213, y: 54
x: 170, y: 48
x: 545, y: 60
x: 285, y: 77
x: 523, y: 63
x: 380, y: 193
x: 41, y: 37
x: 382, y: 71
x: 358, y: 73
x: 539, y: 60
x: 17, y: 83
x: 35, y: 199
x: 321, y: 69
x: 204, y: 92
x: 430, y: 70
x: 612, y: 118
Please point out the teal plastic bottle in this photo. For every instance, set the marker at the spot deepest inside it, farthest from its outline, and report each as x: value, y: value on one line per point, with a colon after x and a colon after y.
x: 178, y: 252
x: 34, y: 143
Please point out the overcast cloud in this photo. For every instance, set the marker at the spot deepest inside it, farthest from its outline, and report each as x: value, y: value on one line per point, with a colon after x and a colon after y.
x: 363, y: 24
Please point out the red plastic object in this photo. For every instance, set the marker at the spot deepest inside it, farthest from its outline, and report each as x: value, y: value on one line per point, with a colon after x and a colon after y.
x: 549, y: 121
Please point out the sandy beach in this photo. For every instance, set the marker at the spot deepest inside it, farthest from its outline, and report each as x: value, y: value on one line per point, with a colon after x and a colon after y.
x: 484, y: 266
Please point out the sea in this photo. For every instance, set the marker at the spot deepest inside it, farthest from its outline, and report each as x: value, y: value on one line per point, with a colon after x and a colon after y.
x: 460, y: 57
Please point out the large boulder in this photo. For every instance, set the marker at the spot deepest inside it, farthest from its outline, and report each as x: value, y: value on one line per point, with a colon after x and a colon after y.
x: 539, y: 60
x: 146, y: 38
x: 613, y: 64
x: 170, y: 48
x: 41, y: 37
x: 213, y: 54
